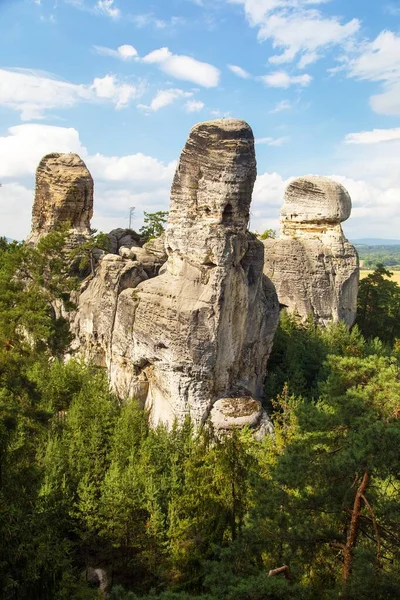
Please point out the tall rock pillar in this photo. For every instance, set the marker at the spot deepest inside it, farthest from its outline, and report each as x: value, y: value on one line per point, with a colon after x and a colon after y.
x: 63, y: 194
x: 202, y: 330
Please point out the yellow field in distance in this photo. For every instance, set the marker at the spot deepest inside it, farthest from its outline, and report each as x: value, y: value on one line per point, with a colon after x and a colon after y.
x: 395, y: 277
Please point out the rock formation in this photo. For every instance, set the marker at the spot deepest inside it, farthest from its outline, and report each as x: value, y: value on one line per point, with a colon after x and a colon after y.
x: 64, y: 193
x: 194, y: 336
x: 313, y: 266
x: 185, y: 323
x: 202, y: 330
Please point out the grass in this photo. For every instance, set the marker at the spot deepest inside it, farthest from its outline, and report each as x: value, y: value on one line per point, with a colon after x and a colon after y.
x: 395, y: 277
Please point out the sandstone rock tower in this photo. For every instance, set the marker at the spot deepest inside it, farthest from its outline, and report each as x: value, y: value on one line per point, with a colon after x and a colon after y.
x: 313, y: 266
x: 196, y: 338
x: 64, y: 193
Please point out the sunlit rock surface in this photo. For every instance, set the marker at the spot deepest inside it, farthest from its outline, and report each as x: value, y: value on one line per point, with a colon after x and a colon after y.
x: 313, y: 266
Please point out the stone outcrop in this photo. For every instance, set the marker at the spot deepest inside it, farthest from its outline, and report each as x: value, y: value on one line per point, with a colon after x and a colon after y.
x: 63, y: 194
x: 202, y: 330
x: 313, y: 266
x: 185, y: 322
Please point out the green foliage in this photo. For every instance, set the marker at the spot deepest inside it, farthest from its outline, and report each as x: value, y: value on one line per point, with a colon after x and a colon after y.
x: 154, y: 224
x: 372, y: 256
x: 379, y: 306
x: 84, y: 255
x: 268, y: 234
x: 178, y: 514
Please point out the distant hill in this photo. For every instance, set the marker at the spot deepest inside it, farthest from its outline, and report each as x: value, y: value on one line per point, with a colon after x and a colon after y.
x: 375, y: 242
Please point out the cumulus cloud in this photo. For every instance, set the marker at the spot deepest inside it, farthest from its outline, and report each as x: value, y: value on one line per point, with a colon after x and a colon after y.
x: 15, y: 210
x: 124, y: 52
x: 368, y: 169
x: 164, y: 98
x: 184, y: 67
x: 24, y: 146
x: 33, y: 92
x: 379, y: 60
x: 281, y: 79
x: 297, y: 29
x: 239, y: 71
x: 121, y: 181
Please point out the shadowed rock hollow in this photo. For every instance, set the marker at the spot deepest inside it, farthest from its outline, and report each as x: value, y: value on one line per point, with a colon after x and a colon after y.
x: 313, y: 266
x: 64, y: 193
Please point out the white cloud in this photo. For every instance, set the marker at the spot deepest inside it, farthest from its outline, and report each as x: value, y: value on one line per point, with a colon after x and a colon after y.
x: 137, y: 168
x: 239, y: 71
x: 297, y: 29
x: 184, y: 67
x: 120, y: 94
x: 15, y: 210
x: 368, y: 170
x: 164, y: 98
x: 281, y: 79
x: 107, y: 7
x: 373, y: 137
x: 121, y: 181
x: 270, y: 141
x: 379, y: 60
x: 24, y: 146
x: 124, y: 52
x: 34, y: 92
x: 282, y: 105
x: 194, y: 106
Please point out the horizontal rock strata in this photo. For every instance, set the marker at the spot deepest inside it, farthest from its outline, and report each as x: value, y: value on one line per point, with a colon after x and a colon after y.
x: 313, y: 266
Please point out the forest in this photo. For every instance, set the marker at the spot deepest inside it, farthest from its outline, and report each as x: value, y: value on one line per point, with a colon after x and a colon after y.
x: 312, y: 512
x: 372, y: 256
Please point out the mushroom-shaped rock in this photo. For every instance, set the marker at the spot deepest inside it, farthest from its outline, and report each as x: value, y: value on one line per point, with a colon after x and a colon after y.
x: 64, y: 194
x: 313, y: 266
x: 315, y: 199
x: 204, y: 325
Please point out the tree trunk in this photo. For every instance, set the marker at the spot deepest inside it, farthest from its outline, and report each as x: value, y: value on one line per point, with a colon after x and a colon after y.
x: 353, y: 529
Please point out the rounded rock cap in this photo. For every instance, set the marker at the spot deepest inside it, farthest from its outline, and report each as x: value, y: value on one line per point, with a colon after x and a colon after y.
x: 236, y: 412
x: 315, y: 199
x: 224, y: 128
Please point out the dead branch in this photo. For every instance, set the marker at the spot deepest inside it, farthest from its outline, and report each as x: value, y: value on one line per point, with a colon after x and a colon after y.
x: 285, y: 570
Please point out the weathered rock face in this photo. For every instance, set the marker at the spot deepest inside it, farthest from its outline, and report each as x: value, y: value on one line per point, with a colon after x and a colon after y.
x: 202, y: 329
x: 313, y: 266
x: 184, y: 323
x: 64, y: 193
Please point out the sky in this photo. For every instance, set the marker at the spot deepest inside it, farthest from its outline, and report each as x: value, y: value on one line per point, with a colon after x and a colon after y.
x: 121, y: 82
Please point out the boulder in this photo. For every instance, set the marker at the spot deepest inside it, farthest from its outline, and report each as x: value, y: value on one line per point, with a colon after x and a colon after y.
x: 314, y: 268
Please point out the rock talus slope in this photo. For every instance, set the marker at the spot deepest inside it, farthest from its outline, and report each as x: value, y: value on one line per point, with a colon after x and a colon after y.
x: 64, y: 193
x: 313, y: 266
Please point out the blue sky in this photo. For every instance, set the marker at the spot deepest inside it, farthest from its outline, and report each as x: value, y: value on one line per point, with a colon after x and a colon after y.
x: 121, y: 82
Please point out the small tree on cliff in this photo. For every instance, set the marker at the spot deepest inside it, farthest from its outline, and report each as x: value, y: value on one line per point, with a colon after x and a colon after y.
x: 154, y: 224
